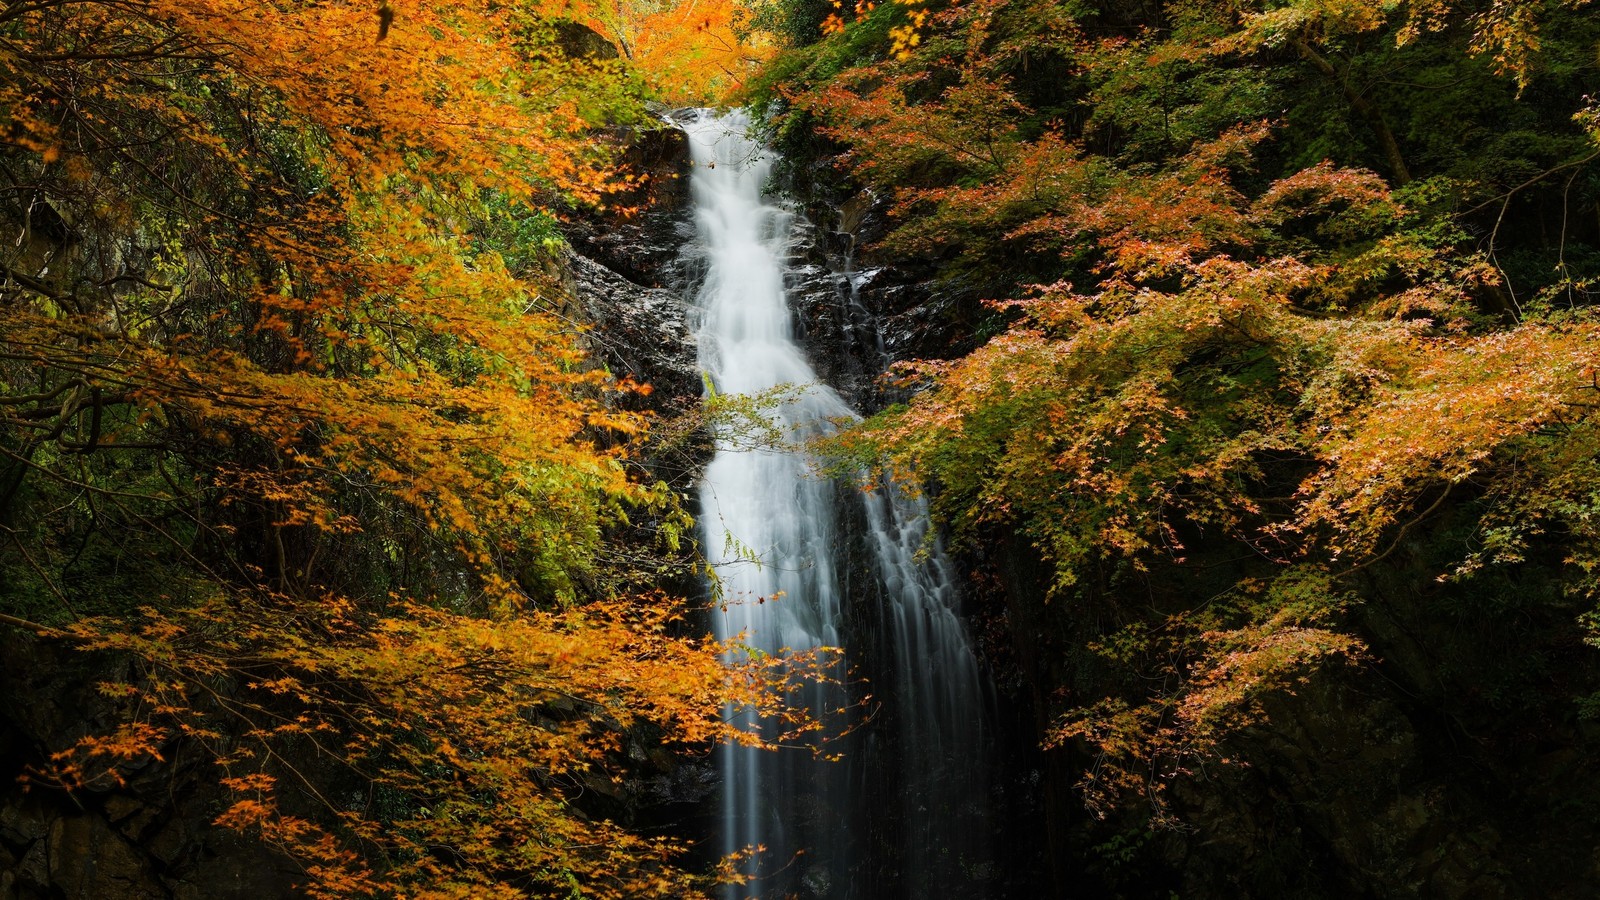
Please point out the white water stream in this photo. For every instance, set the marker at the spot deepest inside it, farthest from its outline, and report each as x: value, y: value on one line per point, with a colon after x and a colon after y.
x: 905, y: 813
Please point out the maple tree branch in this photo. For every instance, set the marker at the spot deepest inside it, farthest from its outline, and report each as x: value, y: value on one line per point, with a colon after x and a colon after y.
x: 1363, y: 106
x: 39, y: 570
x: 43, y: 288
x: 35, y: 627
x: 1515, y: 306
x: 171, y: 47
x: 44, y: 397
x: 1585, y: 160
x: 17, y: 9
x: 1401, y: 534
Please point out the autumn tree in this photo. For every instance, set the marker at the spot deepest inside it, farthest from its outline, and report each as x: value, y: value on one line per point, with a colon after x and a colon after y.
x: 293, y: 414
x: 1252, y: 339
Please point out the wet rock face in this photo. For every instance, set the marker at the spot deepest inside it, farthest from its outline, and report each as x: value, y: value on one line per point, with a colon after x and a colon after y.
x: 579, y: 41
x: 638, y: 233
x: 640, y: 332
x: 625, y: 273
x: 855, y: 313
x: 858, y: 309
x: 834, y: 314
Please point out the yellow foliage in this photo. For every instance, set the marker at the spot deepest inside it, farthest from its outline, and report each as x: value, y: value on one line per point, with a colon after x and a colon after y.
x: 277, y: 329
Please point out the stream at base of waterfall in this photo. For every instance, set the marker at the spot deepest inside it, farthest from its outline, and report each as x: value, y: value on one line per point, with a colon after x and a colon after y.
x: 803, y: 561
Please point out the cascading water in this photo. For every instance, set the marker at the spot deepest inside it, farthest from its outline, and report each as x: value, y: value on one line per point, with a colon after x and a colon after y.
x: 904, y: 813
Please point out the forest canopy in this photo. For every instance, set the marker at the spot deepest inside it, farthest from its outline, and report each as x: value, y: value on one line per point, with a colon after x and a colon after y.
x: 1265, y: 310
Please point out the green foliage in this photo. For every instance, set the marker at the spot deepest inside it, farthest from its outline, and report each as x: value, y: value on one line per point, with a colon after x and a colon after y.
x: 1284, y: 288
x: 526, y: 240
x: 797, y: 23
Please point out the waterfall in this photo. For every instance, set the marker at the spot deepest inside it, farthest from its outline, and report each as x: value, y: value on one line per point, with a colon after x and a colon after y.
x: 903, y: 814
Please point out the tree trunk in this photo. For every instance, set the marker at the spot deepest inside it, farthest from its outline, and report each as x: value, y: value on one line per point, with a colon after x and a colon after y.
x: 1380, y: 128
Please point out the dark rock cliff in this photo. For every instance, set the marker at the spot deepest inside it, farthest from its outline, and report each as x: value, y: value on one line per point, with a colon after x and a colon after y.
x: 855, y: 315
x: 858, y: 312
x: 145, y: 836
x: 624, y: 272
